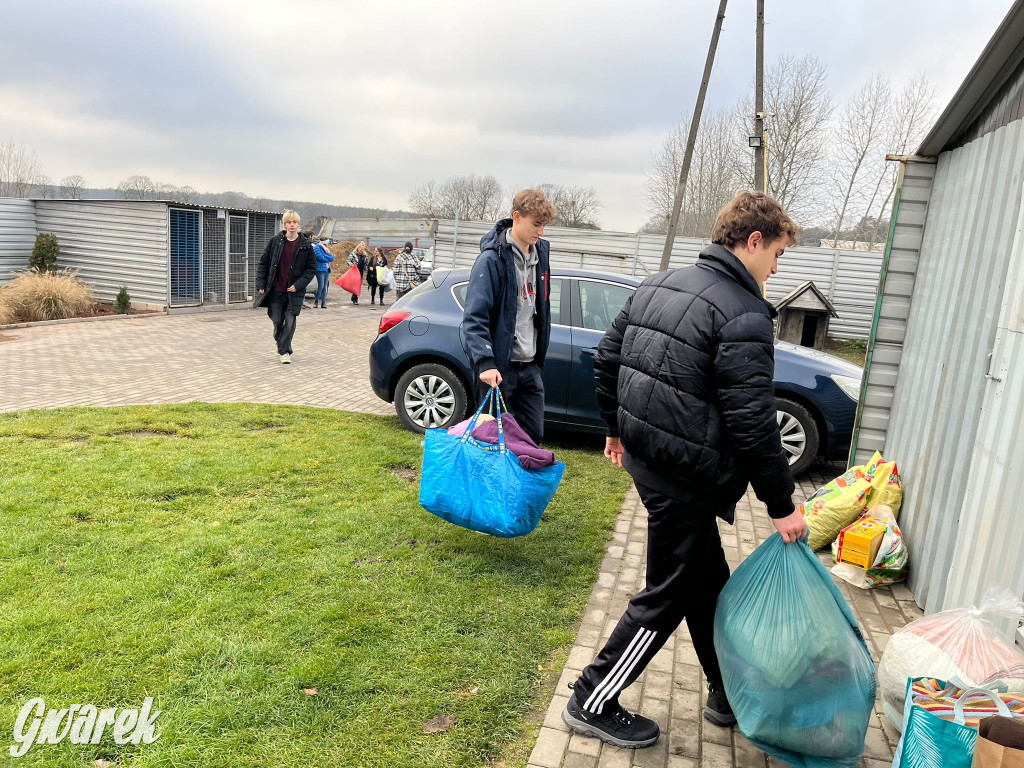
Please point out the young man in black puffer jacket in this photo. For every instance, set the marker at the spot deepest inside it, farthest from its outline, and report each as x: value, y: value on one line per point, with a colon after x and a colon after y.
x: 684, y: 382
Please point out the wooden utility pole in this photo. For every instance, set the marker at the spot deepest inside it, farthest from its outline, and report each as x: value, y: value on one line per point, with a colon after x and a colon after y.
x: 673, y: 222
x: 760, y: 180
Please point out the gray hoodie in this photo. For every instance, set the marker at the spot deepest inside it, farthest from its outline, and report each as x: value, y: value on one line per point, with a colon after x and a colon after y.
x: 524, y: 348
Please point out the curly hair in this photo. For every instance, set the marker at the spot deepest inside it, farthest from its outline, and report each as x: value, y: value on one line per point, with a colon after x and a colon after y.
x: 533, y: 203
x: 751, y: 212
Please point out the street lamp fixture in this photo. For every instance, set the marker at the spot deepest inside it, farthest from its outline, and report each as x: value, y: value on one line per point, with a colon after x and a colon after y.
x: 756, y: 142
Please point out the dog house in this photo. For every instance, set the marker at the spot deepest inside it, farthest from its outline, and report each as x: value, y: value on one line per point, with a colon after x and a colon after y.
x: 804, y: 314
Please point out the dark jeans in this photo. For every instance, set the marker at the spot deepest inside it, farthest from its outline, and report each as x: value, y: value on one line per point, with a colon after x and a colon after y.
x: 279, y: 309
x: 686, y: 570
x: 400, y: 294
x: 374, y: 289
x: 523, y: 390
x: 323, y: 279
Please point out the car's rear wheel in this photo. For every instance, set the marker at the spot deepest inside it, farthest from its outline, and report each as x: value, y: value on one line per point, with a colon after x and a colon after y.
x: 799, y: 434
x: 430, y: 396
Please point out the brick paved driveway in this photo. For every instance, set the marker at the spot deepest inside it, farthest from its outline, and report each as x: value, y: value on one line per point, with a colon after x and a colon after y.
x: 230, y: 357
x: 672, y: 689
x: 213, y: 357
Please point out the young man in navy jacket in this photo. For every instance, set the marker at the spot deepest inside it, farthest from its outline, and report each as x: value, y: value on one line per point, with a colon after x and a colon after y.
x: 506, y: 325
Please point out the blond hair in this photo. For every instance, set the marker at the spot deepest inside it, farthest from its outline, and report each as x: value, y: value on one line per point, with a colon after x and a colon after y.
x: 290, y: 215
x: 533, y: 203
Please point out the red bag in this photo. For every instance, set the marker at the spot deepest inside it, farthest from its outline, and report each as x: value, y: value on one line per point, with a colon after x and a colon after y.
x: 351, y: 281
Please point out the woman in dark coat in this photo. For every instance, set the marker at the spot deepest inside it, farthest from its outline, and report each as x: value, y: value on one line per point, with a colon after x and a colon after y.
x: 376, y: 260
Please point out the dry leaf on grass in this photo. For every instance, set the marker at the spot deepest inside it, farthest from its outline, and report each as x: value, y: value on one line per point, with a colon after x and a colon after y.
x: 439, y: 724
x: 309, y: 691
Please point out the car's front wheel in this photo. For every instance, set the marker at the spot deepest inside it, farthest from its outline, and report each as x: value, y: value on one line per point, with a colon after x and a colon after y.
x: 799, y: 434
x: 430, y: 396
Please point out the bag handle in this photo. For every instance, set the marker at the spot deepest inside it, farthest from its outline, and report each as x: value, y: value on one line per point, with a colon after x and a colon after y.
x: 494, y: 402
x: 970, y: 693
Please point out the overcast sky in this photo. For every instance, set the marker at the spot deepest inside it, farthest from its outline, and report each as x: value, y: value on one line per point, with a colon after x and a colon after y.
x: 355, y: 103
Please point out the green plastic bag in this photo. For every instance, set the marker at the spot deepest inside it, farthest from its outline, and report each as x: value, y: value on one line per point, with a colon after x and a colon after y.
x: 795, y: 666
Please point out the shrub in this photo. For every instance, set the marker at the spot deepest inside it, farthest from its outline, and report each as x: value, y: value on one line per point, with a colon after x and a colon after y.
x: 123, y: 302
x: 6, y: 308
x: 36, y: 295
x: 44, y: 252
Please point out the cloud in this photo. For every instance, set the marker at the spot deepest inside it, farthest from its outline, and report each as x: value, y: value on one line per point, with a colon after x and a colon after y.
x: 356, y: 102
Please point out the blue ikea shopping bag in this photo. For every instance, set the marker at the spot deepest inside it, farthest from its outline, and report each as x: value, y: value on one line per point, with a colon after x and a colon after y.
x: 481, y: 486
x: 796, y: 669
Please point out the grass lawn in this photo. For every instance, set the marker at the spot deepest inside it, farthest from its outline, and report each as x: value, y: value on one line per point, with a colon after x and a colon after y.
x: 223, y: 558
x: 854, y: 350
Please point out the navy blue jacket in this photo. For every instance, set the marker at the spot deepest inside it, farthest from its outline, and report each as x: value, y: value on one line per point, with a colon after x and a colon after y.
x: 492, y: 300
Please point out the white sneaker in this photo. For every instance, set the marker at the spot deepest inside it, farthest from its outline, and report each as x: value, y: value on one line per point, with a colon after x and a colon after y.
x: 286, y: 359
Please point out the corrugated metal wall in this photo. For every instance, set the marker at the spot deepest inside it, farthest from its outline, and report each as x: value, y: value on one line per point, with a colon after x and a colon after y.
x: 849, y: 278
x: 17, y: 235
x: 886, y: 349
x: 110, y: 244
x: 971, y: 223
x: 990, y: 545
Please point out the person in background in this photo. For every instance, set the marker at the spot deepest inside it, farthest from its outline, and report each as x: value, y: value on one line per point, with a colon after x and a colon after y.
x: 285, y: 269
x: 376, y: 260
x: 684, y: 384
x: 407, y: 274
x: 358, y: 259
x: 323, y: 274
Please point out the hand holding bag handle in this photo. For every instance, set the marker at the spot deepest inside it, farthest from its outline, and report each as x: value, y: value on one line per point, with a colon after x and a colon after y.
x: 493, y: 402
x: 971, y: 693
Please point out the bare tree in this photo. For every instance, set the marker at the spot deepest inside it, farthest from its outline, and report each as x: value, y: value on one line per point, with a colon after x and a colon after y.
x: 19, y: 170
x: 165, y: 191
x: 911, y: 116
x: 71, y: 187
x: 187, y: 194
x: 472, y: 197
x: 136, y: 188
x: 715, y: 175
x: 799, y: 109
x: 859, y: 136
x: 44, y: 187
x: 577, y: 206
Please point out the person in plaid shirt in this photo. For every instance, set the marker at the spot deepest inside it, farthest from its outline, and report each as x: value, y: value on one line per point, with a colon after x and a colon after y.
x: 407, y: 274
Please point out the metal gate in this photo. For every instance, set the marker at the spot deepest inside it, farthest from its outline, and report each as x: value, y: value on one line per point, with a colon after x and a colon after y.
x: 186, y: 278
x: 238, y: 258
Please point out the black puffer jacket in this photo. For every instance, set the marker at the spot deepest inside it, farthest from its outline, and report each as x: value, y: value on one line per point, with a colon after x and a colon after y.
x: 684, y: 376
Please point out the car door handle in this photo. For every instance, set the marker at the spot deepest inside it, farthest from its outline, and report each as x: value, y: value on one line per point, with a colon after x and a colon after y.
x: 590, y: 351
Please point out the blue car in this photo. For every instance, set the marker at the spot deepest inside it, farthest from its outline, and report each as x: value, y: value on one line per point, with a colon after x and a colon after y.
x: 417, y: 363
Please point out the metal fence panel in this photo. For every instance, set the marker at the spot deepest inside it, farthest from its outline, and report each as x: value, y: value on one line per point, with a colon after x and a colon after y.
x: 852, y: 292
x: 17, y: 235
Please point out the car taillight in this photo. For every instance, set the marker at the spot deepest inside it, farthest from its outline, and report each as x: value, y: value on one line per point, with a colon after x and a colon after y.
x: 390, y: 320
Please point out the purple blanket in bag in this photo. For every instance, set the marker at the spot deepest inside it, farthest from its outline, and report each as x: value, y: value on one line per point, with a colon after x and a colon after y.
x: 516, y: 440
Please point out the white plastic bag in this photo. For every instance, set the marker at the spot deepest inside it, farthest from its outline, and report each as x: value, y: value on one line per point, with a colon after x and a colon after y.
x: 960, y: 646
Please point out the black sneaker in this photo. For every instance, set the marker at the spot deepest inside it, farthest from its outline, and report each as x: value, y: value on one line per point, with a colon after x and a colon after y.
x: 717, y: 709
x: 615, y: 725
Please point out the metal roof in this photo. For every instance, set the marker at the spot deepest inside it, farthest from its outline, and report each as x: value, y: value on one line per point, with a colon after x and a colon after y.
x: 997, y: 62
x: 153, y: 200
